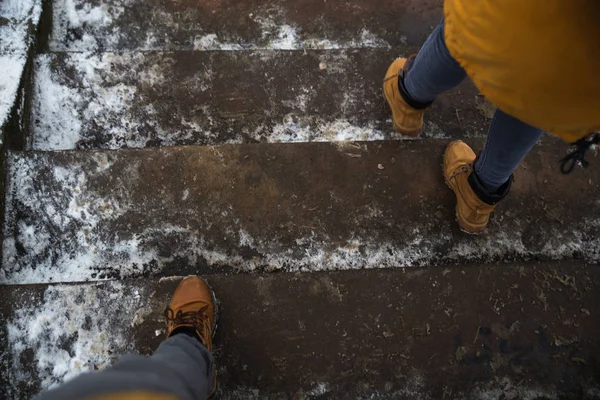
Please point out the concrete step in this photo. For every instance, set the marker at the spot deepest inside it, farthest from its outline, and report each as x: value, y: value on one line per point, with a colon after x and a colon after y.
x: 18, y: 24
x: 149, y: 99
x: 77, y: 216
x: 115, y: 25
x: 468, y: 332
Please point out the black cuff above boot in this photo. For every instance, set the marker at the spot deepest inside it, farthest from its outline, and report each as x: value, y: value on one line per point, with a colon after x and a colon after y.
x: 484, y: 194
x: 407, y: 98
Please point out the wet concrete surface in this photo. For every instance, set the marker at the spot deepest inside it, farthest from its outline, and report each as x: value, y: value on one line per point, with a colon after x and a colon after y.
x: 277, y: 207
x: 177, y: 25
x: 154, y: 99
x: 301, y: 71
x: 492, y: 331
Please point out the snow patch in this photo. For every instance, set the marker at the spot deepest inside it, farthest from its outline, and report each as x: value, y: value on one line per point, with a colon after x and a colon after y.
x: 507, y: 390
x: 56, y: 109
x: 111, y: 101
x: 416, y: 388
x: 76, y: 26
x: 15, y: 39
x: 295, y: 129
x: 81, y: 258
x: 80, y: 26
x: 319, y: 389
x: 60, y: 109
x: 85, y: 14
x: 12, y: 68
x: 316, y: 252
x: 287, y: 37
x: 212, y: 42
x: 104, y: 97
x: 70, y: 331
x: 369, y: 40
x: 62, y: 225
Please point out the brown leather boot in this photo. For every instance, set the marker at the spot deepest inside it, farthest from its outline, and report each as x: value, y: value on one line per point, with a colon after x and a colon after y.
x: 407, y: 114
x: 193, y: 306
x: 474, y: 203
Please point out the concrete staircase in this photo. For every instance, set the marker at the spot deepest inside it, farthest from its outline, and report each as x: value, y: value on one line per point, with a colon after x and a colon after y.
x: 248, y: 142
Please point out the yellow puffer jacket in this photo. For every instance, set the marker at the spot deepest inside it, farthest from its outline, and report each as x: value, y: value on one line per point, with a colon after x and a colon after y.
x: 538, y: 60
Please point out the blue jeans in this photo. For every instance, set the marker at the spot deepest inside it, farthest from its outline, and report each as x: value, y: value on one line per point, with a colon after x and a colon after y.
x: 434, y: 72
x: 181, y: 367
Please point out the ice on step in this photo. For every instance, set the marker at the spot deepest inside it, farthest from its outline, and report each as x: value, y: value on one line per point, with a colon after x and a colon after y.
x: 17, y: 17
x: 80, y: 26
x: 68, y: 330
x: 115, y: 100
x: 101, y: 215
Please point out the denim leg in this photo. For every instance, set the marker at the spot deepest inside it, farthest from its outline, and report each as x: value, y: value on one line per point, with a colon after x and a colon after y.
x: 181, y: 366
x: 434, y: 70
x: 508, y: 142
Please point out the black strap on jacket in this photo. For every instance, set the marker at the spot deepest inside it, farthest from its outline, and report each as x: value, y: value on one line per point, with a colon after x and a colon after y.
x: 577, y: 156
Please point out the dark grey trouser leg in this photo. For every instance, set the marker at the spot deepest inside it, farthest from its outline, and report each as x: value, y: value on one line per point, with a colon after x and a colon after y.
x: 181, y: 366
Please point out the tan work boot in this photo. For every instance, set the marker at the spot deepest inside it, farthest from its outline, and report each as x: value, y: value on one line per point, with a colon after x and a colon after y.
x: 474, y: 204
x: 407, y: 114
x: 193, y: 306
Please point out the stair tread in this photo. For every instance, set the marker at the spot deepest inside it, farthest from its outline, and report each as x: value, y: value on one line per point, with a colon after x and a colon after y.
x: 18, y: 21
x: 495, y: 313
x: 114, y: 100
x: 112, y: 25
x: 81, y: 215
x: 360, y: 334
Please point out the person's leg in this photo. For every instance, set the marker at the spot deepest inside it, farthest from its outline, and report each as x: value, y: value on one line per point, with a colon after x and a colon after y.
x: 508, y: 142
x: 480, y: 183
x: 434, y: 71
x: 411, y: 85
x: 180, y: 367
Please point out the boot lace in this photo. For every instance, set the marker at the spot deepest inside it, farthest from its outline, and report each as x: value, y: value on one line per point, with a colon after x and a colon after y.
x: 462, y: 170
x: 197, y: 319
x: 402, y: 71
x: 465, y: 169
x: 577, y: 156
x: 398, y: 75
